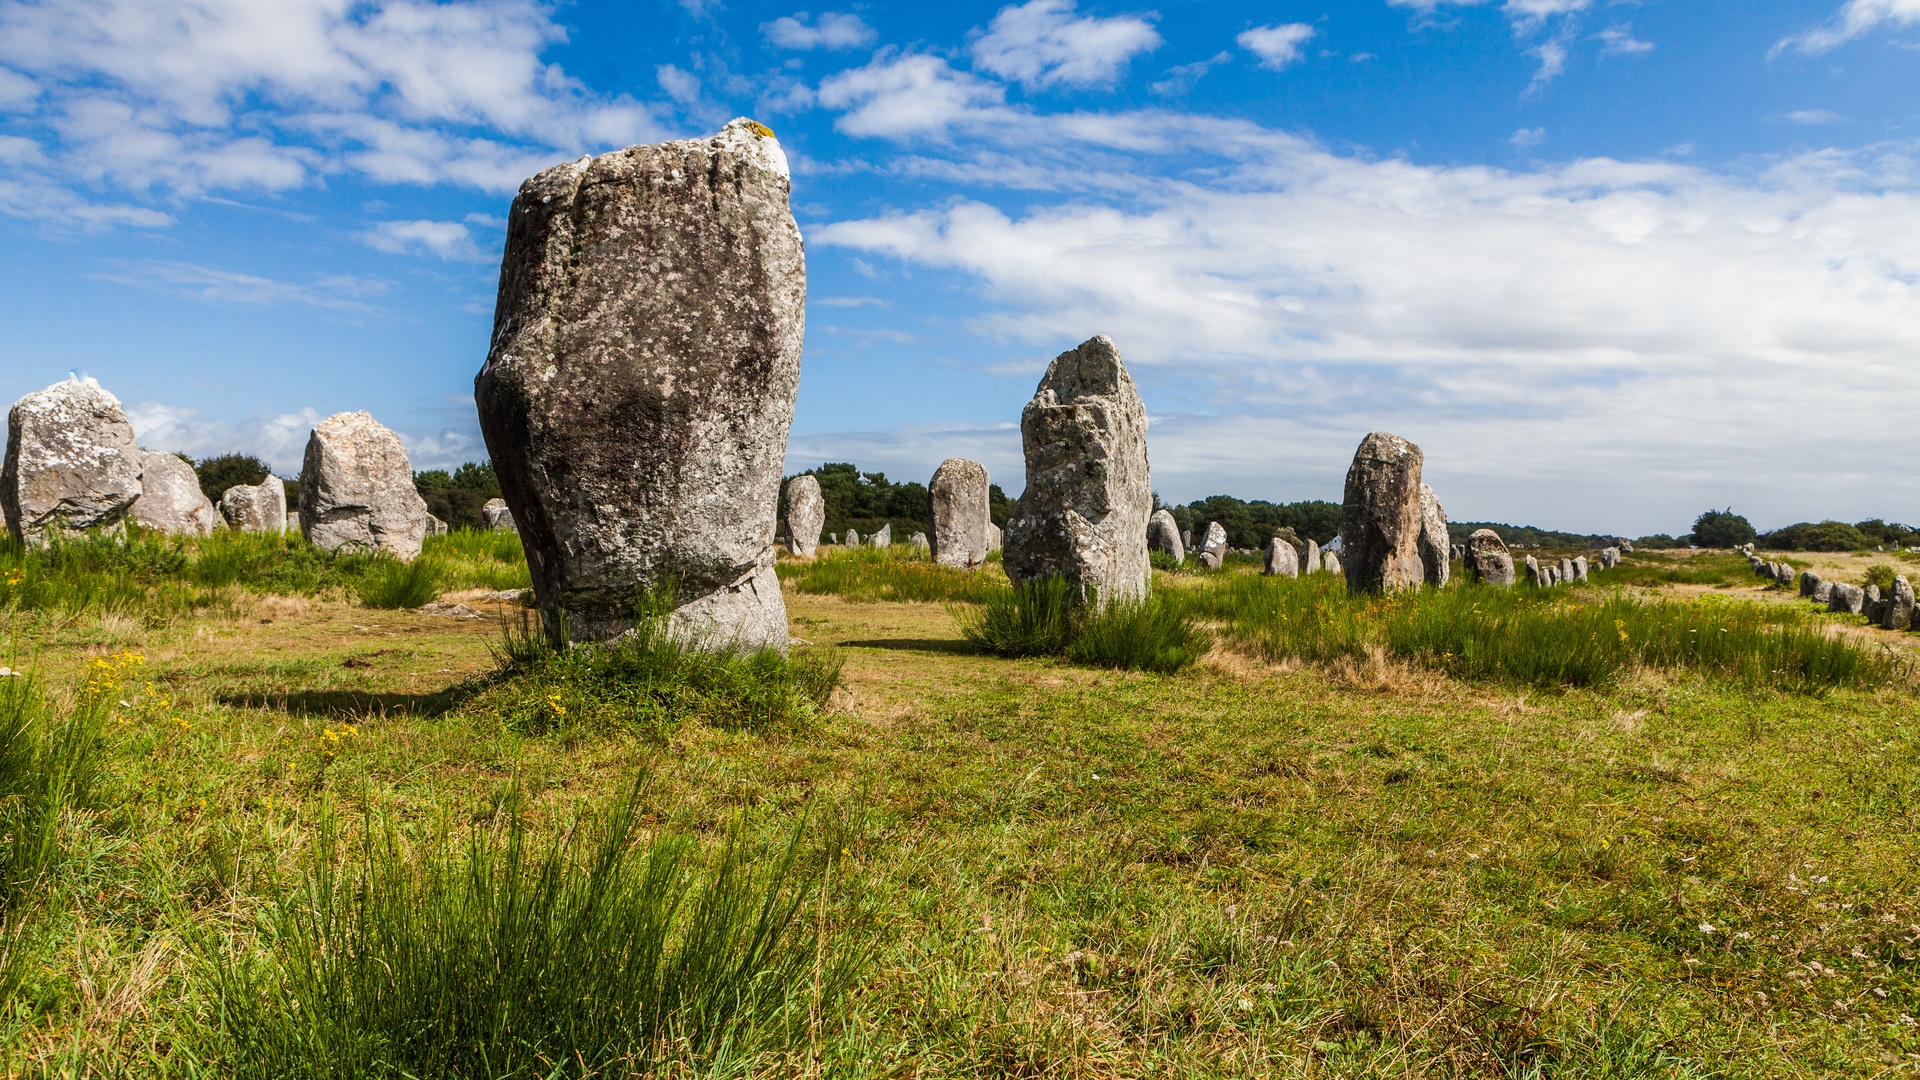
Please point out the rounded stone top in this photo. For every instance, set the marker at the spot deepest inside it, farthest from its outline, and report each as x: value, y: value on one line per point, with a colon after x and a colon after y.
x: 755, y: 141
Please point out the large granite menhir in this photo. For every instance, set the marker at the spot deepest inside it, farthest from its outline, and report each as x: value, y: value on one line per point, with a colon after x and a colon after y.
x: 636, y: 401
x: 961, y: 513
x: 1380, y: 517
x: 1163, y: 535
x: 170, y: 497
x: 1488, y: 560
x: 806, y: 515
x: 1083, y: 516
x: 357, y: 491
x: 71, y: 463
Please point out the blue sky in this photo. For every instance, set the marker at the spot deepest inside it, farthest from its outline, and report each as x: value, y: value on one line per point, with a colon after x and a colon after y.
x: 1609, y: 263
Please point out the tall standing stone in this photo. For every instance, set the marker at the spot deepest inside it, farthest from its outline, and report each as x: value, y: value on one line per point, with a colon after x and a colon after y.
x: 1310, y: 562
x: 806, y: 515
x: 1579, y: 568
x: 1871, y: 604
x: 170, y: 497
x: 71, y: 463
x: 1563, y: 570
x: 1436, y: 549
x: 1330, y: 560
x: 357, y: 491
x: 1380, y: 519
x: 1534, y: 573
x: 853, y: 538
x: 1488, y: 560
x: 258, y: 507
x: 1163, y: 534
x: 637, y: 398
x: 960, y: 507
x: 1213, y: 546
x: 1083, y: 516
x: 1898, y: 614
x: 1281, y: 560
x: 883, y: 538
x: 1809, y: 581
x: 995, y: 539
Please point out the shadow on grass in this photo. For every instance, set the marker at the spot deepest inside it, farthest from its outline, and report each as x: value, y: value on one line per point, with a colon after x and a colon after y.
x: 351, y: 703
x: 932, y: 645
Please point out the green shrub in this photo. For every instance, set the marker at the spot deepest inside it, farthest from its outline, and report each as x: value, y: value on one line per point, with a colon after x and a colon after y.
x: 1722, y: 529
x: 217, y: 474
x: 1033, y: 618
x: 394, y: 584
x: 611, y: 950
x: 1045, y: 617
x: 1880, y: 574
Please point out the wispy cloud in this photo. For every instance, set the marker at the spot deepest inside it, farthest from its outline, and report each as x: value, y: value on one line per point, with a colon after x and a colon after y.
x: 335, y: 292
x: 1278, y: 47
x: 1043, y: 43
x: 1855, y: 17
x: 1181, y: 78
x: 1815, y: 116
x: 443, y: 239
x: 832, y: 30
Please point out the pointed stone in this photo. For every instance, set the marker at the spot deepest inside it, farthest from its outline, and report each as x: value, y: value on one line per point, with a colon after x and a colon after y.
x: 357, y: 491
x: 1281, y: 560
x: 1380, y: 519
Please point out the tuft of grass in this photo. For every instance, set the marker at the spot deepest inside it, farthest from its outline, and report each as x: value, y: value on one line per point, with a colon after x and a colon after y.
x: 394, y: 584
x: 49, y: 765
x: 650, y: 681
x: 479, y: 559
x: 610, y: 951
x: 890, y: 574
x: 1044, y: 617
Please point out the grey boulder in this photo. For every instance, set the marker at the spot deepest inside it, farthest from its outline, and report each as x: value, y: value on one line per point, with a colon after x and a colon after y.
x: 958, y: 492
x: 641, y: 383
x: 806, y: 515
x: 1330, y: 560
x: 435, y: 527
x: 1281, y: 560
x: 1163, y: 534
x: 497, y: 517
x: 1083, y: 516
x: 883, y: 538
x: 1436, y: 550
x: 258, y: 507
x: 357, y: 491
x: 1380, y: 516
x: 1845, y: 598
x: 853, y: 538
x: 1213, y: 546
x: 1579, y: 568
x: 919, y: 540
x: 71, y: 462
x: 1310, y: 561
x: 170, y: 497
x: 1898, y: 613
x: 1488, y: 561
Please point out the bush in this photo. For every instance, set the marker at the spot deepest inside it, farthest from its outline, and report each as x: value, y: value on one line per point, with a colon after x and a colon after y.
x: 609, y: 951
x: 1882, y: 575
x: 1722, y: 529
x: 217, y: 474
x: 1825, y: 536
x: 1046, y: 617
x: 1659, y: 542
x: 1033, y: 618
x: 394, y: 584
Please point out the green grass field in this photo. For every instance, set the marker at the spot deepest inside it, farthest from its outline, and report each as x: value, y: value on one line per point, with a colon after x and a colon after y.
x: 254, y: 826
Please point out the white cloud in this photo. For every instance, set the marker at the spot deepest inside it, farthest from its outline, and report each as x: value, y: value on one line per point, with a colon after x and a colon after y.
x: 192, y: 96
x: 681, y: 85
x: 336, y: 292
x: 1528, y: 19
x: 1042, y: 43
x: 1180, y: 79
x: 1526, y: 327
x: 1815, y: 116
x: 833, y: 30
x: 902, y: 95
x: 445, y: 239
x: 1552, y: 55
x: 1527, y: 138
x: 1854, y: 18
x: 1278, y: 47
x: 1619, y: 41
x: 280, y: 441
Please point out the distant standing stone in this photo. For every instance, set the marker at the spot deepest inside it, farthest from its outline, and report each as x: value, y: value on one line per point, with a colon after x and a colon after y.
x: 435, y: 527
x: 1809, y: 581
x: 1899, y: 606
x: 1331, y: 561
x: 1870, y: 604
x: 1380, y: 518
x: 170, y: 497
x: 883, y: 538
x: 1435, y: 547
x: 853, y: 538
x: 1083, y: 516
x: 71, y: 464
x: 919, y: 540
x: 1488, y: 560
x: 1609, y: 558
x: 1163, y: 535
x: 1281, y: 560
x: 259, y: 507
x: 641, y: 384
x: 1213, y: 548
x: 958, y: 492
x: 1845, y: 598
x: 994, y: 537
x: 1563, y: 571
x: 806, y: 515
x: 1534, y: 576
x: 497, y: 517
x: 357, y: 491
x: 1579, y: 568
x: 1310, y: 562
x: 833, y: 538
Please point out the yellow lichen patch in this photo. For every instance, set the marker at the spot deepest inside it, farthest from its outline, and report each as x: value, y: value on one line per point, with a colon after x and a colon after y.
x: 760, y: 129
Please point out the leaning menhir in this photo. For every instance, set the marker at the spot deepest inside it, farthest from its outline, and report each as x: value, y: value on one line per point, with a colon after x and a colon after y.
x: 1380, y: 519
x: 958, y: 492
x: 1488, y: 560
x: 1083, y: 516
x: 1280, y: 559
x: 170, y: 497
x: 357, y: 491
x: 636, y: 401
x: 71, y: 462
x: 806, y: 515
x: 1163, y: 534
x: 1435, y: 549
x: 497, y: 517
x: 883, y: 538
x: 1213, y: 546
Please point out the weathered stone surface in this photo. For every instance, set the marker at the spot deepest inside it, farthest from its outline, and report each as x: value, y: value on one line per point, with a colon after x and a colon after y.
x: 806, y: 515
x: 435, y: 527
x: 853, y: 538
x: 1784, y: 573
x: 1609, y: 558
x: 256, y: 508
x: 960, y: 509
x: 1579, y: 568
x: 1488, y: 561
x: 1380, y: 519
x: 919, y: 540
x: 637, y: 398
x: 497, y: 517
x: 1310, y: 562
x: 170, y: 497
x: 1822, y: 592
x: 1870, y: 605
x: 1809, y: 581
x: 883, y: 538
x: 1899, y: 606
x: 356, y: 489
x: 1846, y: 598
x: 1083, y: 515
x: 1534, y: 576
x: 1563, y: 571
x: 1163, y: 534
x: 71, y: 463
x: 995, y: 539
x: 1213, y: 546
x: 1435, y: 547
x: 1281, y: 560
x: 1330, y: 561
